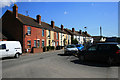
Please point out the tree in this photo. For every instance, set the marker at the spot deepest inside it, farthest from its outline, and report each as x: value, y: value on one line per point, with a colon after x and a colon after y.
x: 74, y: 41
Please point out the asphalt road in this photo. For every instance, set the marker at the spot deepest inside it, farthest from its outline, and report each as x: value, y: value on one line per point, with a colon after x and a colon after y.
x: 55, y: 65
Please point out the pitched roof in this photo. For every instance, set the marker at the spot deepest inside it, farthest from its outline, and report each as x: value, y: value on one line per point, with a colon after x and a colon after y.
x: 72, y: 33
x: 32, y: 22
x: 86, y: 34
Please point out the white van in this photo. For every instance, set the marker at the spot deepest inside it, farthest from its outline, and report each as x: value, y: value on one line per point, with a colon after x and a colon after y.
x: 10, y: 49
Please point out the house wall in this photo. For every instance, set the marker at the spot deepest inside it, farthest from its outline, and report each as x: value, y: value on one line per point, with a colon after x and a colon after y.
x: 36, y: 34
x: 12, y: 28
x: 60, y: 39
x: 79, y: 39
x: 51, y: 38
x: 3, y: 39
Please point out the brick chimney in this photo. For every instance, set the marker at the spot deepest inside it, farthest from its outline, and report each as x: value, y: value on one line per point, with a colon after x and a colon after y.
x: 52, y: 24
x: 73, y: 29
x: 15, y: 11
x: 85, y: 32
x: 39, y: 19
x: 80, y: 32
x: 62, y: 27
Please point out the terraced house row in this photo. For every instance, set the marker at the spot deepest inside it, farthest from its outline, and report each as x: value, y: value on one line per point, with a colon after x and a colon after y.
x: 34, y: 34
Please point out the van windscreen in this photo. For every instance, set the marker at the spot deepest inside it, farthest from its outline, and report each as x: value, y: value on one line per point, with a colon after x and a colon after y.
x: 2, y: 46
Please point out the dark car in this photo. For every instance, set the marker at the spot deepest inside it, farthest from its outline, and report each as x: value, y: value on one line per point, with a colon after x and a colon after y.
x: 109, y: 52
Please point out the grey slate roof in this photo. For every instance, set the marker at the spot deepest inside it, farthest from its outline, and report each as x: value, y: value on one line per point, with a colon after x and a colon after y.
x: 32, y: 22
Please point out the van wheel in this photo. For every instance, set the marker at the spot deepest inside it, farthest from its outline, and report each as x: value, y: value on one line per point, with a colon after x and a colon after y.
x: 17, y: 55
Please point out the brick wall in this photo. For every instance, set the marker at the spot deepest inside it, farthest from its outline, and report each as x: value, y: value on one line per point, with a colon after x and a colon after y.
x: 36, y: 34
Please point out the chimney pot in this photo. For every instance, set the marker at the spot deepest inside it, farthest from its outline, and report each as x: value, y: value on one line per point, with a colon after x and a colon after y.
x: 62, y: 27
x: 52, y: 24
x: 15, y: 11
x: 73, y: 29
x: 85, y: 32
x: 39, y: 19
x: 80, y: 32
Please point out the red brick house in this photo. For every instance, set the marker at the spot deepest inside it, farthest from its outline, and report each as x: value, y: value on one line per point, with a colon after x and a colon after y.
x: 30, y: 32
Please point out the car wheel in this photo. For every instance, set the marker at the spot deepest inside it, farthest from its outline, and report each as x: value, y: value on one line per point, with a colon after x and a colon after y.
x: 17, y: 55
x: 82, y: 58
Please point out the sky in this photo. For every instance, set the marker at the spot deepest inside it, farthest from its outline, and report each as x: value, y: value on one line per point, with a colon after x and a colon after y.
x: 74, y: 14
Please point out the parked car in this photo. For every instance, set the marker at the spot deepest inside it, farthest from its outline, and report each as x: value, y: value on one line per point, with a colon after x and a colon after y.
x: 10, y: 49
x: 80, y: 47
x: 109, y: 52
x: 70, y: 49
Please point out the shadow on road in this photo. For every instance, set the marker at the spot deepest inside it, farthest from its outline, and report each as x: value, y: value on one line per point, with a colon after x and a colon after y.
x: 5, y: 58
x: 94, y: 63
x: 65, y: 54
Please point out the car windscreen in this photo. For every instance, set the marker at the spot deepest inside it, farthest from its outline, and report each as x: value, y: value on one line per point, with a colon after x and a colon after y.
x: 71, y: 46
x: 78, y: 45
x: 118, y: 46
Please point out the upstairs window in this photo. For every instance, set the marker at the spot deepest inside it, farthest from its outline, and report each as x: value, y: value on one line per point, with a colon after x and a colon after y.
x: 29, y: 30
x: 49, y: 34
x: 42, y: 32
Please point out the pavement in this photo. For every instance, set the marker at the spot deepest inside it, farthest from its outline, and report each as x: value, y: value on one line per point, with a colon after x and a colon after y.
x: 54, y: 64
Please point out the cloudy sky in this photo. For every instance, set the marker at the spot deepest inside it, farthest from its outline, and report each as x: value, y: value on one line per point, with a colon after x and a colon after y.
x: 72, y: 14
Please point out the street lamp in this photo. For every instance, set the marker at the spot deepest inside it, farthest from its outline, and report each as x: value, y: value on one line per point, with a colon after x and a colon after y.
x: 85, y: 35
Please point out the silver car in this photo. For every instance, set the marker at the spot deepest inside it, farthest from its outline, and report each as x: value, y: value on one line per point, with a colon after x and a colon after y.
x: 70, y: 49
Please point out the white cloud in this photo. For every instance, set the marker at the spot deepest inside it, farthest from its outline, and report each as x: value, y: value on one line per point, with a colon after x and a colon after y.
x: 65, y: 12
x: 4, y: 3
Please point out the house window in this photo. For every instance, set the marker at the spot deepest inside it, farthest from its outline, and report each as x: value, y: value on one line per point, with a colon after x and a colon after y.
x: 57, y: 36
x: 42, y: 32
x: 35, y: 42
x: 29, y: 30
x: 38, y: 43
x: 42, y: 43
x: 29, y: 44
x: 49, y: 34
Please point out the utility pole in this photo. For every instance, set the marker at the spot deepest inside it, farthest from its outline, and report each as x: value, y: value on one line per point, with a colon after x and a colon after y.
x: 100, y: 31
